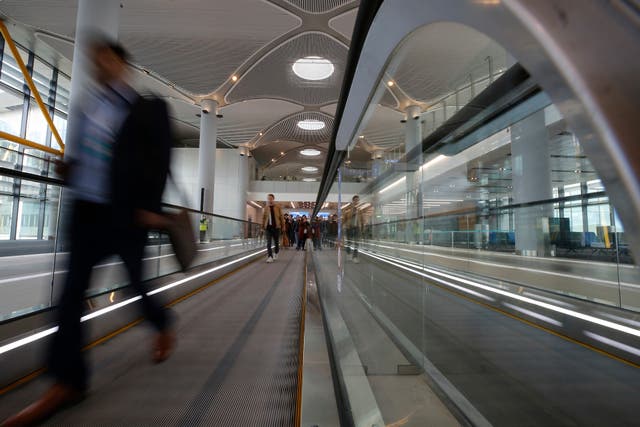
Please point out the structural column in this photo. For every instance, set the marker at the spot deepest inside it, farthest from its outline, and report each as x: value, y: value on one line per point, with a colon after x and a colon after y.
x: 207, y: 159
x: 531, y: 182
x: 94, y: 17
x: 412, y: 139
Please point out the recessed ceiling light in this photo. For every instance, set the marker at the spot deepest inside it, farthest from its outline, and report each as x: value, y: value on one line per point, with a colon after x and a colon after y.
x: 310, y: 124
x: 313, y: 68
x: 390, y: 83
x: 310, y: 152
x: 234, y: 78
x: 309, y: 179
x: 310, y: 169
x: 282, y: 153
x: 260, y: 134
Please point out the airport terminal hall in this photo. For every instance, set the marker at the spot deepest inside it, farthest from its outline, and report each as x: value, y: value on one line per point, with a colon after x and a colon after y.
x: 320, y: 213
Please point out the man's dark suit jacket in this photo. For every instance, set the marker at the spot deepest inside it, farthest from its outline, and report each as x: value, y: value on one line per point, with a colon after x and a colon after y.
x: 141, y: 156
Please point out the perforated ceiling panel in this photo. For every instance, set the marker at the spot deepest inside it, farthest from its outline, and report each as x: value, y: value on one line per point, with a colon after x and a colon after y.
x: 194, y: 43
x: 197, y: 65
x: 388, y: 100
x: 440, y: 57
x: 319, y: 6
x: 384, y: 129
x: 330, y: 109
x: 243, y: 121
x: 344, y: 23
x: 288, y: 130
x: 264, y: 154
x: 283, y: 83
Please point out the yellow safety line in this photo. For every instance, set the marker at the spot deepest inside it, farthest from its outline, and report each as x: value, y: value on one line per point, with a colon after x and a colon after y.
x: 27, y: 78
x: 31, y: 144
x: 33, y: 375
x: 303, y: 311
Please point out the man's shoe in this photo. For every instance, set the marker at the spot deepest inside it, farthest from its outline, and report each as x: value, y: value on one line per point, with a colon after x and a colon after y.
x: 269, y: 260
x: 163, y: 345
x: 58, y: 397
x: 275, y: 256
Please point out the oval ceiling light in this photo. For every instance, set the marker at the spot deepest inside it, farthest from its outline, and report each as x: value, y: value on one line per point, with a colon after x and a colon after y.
x: 311, y: 152
x: 309, y: 179
x: 309, y: 169
x: 313, y: 68
x: 310, y: 124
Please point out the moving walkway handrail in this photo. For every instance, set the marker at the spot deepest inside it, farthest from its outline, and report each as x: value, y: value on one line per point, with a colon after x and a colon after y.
x: 13, y: 173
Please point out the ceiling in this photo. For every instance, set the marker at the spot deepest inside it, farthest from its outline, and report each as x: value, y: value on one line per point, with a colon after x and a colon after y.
x: 188, y: 50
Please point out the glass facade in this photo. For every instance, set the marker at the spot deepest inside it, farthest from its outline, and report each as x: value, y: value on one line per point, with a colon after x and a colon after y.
x: 27, y: 207
x: 512, y: 206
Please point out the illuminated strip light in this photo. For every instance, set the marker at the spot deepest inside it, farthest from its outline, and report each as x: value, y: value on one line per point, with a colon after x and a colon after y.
x: 211, y: 249
x: 393, y: 184
x: 572, y: 313
x: 510, y: 267
x: 28, y: 340
x: 444, y: 282
x: 39, y: 335
x: 613, y: 343
x: 552, y: 300
x: 538, y: 316
x: 432, y: 162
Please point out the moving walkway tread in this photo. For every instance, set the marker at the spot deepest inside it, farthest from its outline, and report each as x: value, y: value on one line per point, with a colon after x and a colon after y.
x: 236, y: 361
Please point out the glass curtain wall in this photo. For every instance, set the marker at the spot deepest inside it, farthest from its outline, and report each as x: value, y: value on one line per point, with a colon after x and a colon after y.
x: 514, y: 205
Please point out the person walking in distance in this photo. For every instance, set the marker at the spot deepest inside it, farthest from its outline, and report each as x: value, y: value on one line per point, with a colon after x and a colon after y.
x: 116, y: 181
x: 353, y: 222
x: 272, y: 223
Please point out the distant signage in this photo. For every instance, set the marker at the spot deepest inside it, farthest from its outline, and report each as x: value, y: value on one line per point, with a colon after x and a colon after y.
x: 299, y: 213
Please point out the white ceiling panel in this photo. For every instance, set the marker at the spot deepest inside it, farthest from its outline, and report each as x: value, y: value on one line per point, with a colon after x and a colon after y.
x: 288, y: 130
x: 344, y: 23
x: 438, y: 58
x: 196, y: 44
x: 330, y: 109
x: 319, y: 6
x: 243, y: 121
x: 275, y: 68
x: 384, y: 129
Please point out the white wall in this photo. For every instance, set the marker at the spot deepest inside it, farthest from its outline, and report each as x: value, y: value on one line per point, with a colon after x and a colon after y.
x: 231, y: 183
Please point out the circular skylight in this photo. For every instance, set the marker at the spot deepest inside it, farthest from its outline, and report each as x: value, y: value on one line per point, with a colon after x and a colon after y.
x: 313, y: 68
x: 310, y: 124
x: 309, y: 179
x: 311, y: 152
x: 310, y: 169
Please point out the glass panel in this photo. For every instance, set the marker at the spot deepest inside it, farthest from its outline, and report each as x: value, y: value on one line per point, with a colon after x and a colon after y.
x: 62, y: 94
x: 10, y: 73
x: 37, y: 126
x: 10, y: 122
x: 508, y: 214
x: 6, y: 207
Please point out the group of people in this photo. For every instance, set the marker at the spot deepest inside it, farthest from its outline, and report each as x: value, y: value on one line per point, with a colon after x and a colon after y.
x: 298, y: 231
